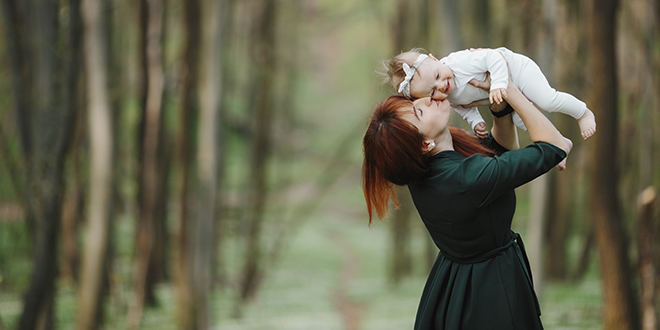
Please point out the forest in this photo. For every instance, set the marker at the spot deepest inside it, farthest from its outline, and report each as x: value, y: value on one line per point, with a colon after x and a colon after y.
x: 196, y: 164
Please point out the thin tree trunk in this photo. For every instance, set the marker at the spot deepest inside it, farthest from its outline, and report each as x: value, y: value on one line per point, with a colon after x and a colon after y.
x: 647, y: 257
x: 451, y: 39
x: 537, y: 220
x: 71, y: 217
x: 159, y: 251
x: 16, y: 38
x: 619, y: 302
x: 72, y: 204
x: 203, y: 231
x: 218, y: 272
x: 561, y: 192
x: 157, y: 270
x: 568, y: 34
x: 265, y: 62
x: 585, y: 256
x: 96, y: 244
x: 192, y: 14
x: 143, y: 289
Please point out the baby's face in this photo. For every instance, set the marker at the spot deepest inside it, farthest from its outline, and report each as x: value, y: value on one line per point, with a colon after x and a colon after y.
x: 434, y: 79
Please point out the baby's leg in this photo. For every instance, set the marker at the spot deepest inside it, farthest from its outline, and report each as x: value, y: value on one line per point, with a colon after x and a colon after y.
x: 534, y: 85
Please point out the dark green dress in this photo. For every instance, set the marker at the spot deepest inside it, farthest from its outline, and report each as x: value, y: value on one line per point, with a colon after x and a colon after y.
x: 481, y: 278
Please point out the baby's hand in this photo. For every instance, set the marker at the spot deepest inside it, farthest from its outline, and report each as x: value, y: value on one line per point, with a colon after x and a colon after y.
x: 480, y: 130
x: 497, y: 95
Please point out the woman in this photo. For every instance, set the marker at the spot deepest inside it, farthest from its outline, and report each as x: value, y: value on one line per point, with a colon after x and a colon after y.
x: 464, y: 193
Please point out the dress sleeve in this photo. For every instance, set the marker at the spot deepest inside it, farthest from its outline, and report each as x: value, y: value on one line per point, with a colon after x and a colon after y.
x: 487, y: 178
x: 490, y: 143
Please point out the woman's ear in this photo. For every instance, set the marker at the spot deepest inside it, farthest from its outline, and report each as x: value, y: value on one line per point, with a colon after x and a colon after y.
x: 427, y: 146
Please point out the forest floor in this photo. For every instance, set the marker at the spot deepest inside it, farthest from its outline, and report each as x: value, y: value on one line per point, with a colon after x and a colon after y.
x: 332, y: 275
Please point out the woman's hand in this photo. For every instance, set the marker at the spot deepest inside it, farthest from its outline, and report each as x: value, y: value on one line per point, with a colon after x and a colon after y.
x: 485, y: 85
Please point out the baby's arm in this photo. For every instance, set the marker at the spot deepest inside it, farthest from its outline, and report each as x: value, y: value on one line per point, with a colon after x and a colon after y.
x: 496, y: 65
x: 473, y: 117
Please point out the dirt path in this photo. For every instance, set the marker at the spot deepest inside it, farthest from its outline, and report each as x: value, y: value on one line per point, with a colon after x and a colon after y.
x: 351, y: 311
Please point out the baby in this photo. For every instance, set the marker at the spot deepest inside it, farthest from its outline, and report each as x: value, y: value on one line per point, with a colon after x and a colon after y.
x: 415, y: 75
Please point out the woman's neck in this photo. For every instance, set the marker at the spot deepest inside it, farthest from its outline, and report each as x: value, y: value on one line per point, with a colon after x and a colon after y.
x: 443, y: 142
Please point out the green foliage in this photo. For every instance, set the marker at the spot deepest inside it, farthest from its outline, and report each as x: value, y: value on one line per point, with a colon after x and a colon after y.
x: 15, y: 255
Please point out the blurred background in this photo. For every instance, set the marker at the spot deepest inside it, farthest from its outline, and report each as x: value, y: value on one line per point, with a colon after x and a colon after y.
x: 195, y: 164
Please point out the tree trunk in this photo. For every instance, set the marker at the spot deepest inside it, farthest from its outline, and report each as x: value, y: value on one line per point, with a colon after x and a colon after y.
x: 71, y: 211
x: 72, y: 204
x: 451, y: 39
x: 17, y: 40
x: 561, y: 191
x: 143, y: 288
x: 569, y: 34
x: 265, y: 63
x: 203, y: 229
x: 41, y: 77
x: 99, y: 117
x: 647, y: 257
x: 189, y: 109
x: 44, y: 113
x: 619, y: 302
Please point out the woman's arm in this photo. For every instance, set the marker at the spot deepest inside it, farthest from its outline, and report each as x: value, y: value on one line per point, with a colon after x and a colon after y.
x: 538, y: 125
x: 504, y: 132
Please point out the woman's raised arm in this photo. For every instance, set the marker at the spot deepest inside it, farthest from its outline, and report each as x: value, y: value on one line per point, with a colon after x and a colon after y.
x: 540, y: 128
x: 504, y: 132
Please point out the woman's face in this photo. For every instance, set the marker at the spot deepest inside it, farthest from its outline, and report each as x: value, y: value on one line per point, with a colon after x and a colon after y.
x: 431, y: 117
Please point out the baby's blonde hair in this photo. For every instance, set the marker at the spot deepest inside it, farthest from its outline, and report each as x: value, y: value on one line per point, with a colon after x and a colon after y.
x: 392, y: 70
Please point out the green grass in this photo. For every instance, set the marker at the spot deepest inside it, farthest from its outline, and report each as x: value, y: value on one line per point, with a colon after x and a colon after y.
x: 300, y: 289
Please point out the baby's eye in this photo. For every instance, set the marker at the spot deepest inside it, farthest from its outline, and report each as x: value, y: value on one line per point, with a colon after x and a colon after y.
x: 437, y: 76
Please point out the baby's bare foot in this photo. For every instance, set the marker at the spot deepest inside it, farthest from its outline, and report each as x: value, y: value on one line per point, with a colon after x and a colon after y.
x: 587, y: 124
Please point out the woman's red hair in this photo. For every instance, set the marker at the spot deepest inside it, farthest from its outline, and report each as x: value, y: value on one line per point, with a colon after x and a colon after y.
x: 393, y: 153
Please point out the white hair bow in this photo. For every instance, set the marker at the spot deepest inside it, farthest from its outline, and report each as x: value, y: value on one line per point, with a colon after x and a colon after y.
x: 404, y: 87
